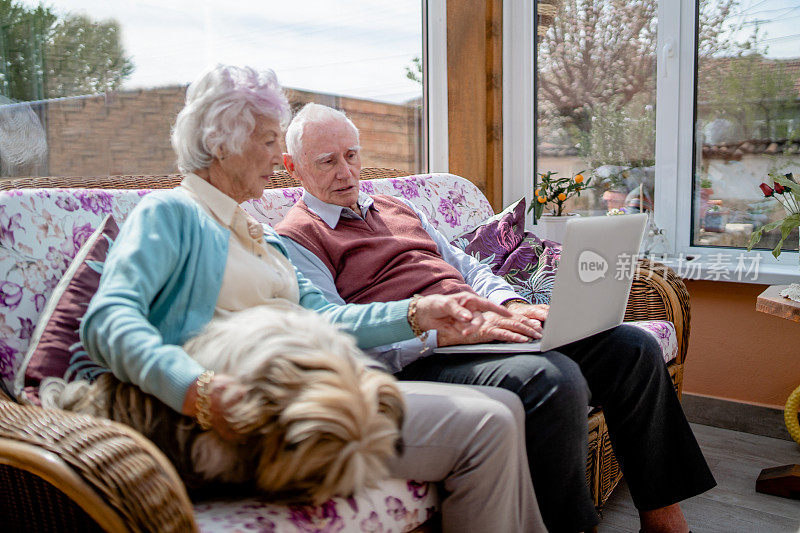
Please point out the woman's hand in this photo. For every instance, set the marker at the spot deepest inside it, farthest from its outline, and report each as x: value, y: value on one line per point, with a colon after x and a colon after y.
x: 223, y: 392
x: 459, y: 317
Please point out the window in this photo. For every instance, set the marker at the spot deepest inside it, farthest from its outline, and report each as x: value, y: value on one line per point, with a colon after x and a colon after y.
x: 747, y: 110
x: 597, y: 102
x: 716, y: 106
x: 92, y: 88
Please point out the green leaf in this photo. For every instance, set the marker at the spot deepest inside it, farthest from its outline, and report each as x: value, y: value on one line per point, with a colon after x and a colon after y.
x: 787, y: 225
x: 772, y: 225
x: 755, y: 236
x: 793, y: 219
x: 537, y: 210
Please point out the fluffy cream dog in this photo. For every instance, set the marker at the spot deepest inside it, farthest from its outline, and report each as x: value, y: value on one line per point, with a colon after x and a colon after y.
x: 317, y: 421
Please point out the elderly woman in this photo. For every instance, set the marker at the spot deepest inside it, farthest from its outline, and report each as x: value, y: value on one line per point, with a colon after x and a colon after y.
x: 190, y: 254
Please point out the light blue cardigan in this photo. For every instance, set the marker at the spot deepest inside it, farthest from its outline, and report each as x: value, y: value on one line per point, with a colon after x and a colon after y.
x: 159, y: 288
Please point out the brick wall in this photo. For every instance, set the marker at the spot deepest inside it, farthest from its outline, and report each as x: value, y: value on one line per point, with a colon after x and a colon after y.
x: 118, y: 133
x: 128, y: 132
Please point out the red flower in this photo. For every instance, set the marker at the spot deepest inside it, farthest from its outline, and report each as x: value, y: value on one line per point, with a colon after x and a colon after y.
x: 767, y: 190
x: 778, y: 188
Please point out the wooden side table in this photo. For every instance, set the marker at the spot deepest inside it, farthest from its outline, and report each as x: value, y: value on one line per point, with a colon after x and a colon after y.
x: 771, y: 302
x: 782, y: 480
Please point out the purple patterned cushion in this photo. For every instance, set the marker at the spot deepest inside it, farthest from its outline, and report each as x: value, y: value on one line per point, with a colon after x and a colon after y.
x: 394, y: 505
x: 664, y: 333
x: 528, y: 263
x: 55, y: 347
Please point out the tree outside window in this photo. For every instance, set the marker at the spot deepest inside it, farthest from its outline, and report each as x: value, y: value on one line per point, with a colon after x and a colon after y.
x: 597, y: 104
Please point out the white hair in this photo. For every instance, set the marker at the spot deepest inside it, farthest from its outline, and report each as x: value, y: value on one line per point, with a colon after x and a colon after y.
x: 221, y: 110
x: 311, y: 113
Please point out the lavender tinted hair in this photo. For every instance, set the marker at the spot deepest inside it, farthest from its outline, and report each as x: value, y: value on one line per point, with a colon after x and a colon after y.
x: 310, y: 114
x: 221, y: 110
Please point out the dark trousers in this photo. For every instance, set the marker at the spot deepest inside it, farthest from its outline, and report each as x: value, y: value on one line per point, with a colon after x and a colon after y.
x: 621, y: 370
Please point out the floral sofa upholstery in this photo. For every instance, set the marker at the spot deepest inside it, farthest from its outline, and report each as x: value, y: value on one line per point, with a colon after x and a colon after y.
x: 42, y: 229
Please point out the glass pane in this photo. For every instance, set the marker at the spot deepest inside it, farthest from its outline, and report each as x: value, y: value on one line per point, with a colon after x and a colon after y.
x: 91, y: 88
x: 748, y: 118
x: 596, y: 102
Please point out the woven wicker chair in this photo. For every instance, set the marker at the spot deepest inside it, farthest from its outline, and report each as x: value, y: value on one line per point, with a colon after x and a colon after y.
x: 62, y: 472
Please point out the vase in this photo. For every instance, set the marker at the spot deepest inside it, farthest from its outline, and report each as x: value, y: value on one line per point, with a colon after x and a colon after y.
x: 715, y: 221
x: 553, y: 228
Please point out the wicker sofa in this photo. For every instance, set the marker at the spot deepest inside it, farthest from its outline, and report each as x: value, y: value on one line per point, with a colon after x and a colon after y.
x: 62, y: 471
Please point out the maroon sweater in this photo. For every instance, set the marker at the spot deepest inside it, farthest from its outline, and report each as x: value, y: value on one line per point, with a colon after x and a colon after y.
x: 386, y: 256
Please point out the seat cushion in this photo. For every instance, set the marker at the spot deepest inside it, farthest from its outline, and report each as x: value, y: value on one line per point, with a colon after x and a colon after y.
x: 395, y: 505
x: 664, y: 333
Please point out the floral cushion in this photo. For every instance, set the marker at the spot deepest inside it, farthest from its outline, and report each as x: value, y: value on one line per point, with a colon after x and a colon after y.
x: 394, y: 506
x: 452, y: 204
x: 526, y: 262
x: 664, y: 333
x: 497, y: 236
x: 55, y: 346
x: 41, y: 230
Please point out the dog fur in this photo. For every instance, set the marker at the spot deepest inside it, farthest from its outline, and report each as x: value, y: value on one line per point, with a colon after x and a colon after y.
x: 317, y: 421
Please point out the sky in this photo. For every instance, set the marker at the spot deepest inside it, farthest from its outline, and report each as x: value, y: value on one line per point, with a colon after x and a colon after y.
x: 778, y: 22
x: 355, y: 48
x: 352, y: 47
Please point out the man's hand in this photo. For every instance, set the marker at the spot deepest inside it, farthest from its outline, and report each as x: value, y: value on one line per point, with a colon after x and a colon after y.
x: 535, y: 314
x: 493, y: 328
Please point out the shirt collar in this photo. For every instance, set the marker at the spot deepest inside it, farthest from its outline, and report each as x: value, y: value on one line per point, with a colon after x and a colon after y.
x: 331, y: 213
x: 220, y: 204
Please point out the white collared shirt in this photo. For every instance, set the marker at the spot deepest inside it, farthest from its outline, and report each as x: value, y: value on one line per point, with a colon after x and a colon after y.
x: 255, y: 273
x: 331, y: 213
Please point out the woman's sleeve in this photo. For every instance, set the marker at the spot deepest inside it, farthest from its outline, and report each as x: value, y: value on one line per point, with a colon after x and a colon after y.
x: 115, y: 331
x: 372, y: 324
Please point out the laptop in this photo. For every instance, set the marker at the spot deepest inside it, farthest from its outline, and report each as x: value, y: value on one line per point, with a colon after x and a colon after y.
x: 591, y: 287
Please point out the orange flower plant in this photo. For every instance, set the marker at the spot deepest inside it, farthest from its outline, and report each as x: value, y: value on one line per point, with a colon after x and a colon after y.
x: 555, y: 191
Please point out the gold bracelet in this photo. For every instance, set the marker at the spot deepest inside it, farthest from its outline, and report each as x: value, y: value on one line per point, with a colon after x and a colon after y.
x: 515, y: 301
x: 203, y: 402
x: 412, y: 318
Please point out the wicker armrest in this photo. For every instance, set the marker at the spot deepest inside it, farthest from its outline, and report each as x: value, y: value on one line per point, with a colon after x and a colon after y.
x: 114, y: 474
x: 659, y: 294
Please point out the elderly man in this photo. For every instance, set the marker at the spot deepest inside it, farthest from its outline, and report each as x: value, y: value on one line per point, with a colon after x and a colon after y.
x: 358, y: 248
